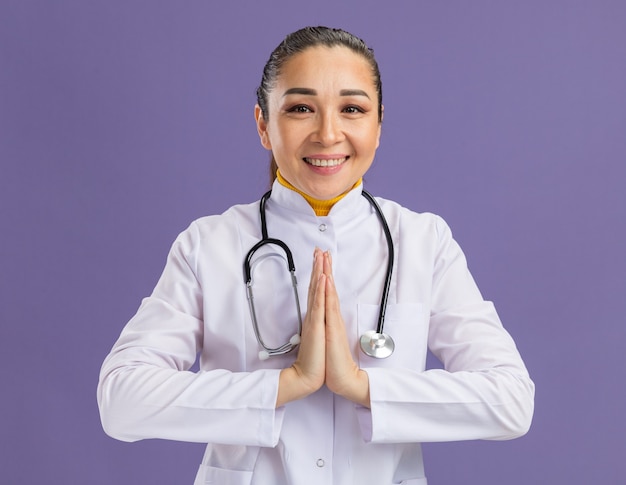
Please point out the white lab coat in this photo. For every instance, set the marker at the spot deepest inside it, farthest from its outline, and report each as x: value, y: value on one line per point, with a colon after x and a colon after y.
x: 199, y: 307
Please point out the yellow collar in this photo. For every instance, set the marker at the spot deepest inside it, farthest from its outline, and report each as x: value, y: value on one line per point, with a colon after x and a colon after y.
x: 320, y: 207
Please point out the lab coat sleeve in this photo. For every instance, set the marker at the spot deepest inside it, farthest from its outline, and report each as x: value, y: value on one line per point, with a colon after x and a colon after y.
x: 146, y: 389
x: 484, y: 390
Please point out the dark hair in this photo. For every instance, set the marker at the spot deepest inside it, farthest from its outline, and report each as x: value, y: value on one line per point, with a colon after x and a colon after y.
x: 301, y: 40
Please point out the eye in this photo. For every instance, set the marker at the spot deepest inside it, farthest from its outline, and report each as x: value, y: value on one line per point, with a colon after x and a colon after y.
x: 300, y: 108
x: 353, y: 109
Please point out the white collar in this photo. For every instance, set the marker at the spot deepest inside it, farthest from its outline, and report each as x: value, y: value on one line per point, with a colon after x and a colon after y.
x: 293, y: 201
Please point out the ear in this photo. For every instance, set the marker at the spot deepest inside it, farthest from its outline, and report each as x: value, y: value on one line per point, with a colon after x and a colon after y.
x: 380, y: 125
x: 261, y: 127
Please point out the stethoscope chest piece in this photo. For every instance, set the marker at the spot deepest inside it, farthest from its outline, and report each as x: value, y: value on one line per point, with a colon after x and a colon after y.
x: 378, y: 345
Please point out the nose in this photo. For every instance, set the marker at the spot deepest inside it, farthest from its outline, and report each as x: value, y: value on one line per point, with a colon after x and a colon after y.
x: 329, y: 129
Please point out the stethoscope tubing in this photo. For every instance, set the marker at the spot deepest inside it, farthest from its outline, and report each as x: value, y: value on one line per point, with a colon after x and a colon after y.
x: 375, y: 344
x: 390, y: 259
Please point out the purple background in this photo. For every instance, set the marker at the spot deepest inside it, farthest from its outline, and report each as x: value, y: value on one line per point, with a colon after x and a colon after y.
x: 121, y: 121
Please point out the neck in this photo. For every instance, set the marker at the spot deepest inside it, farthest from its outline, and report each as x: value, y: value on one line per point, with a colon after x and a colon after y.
x: 320, y: 207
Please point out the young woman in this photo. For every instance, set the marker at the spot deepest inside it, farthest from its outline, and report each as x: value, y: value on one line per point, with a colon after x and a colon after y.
x: 327, y: 390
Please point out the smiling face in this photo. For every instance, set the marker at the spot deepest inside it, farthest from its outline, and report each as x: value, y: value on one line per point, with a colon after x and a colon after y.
x: 323, y: 126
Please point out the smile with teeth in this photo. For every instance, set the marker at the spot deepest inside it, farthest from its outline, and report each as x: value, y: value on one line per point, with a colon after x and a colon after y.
x: 333, y: 162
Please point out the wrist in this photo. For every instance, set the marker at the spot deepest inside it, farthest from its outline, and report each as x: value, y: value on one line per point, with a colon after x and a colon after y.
x: 359, y: 389
x: 291, y: 387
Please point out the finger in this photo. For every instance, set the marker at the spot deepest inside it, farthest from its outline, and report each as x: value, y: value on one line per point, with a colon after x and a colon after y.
x: 315, y: 318
x: 311, y: 359
x: 328, y: 263
x: 315, y: 273
x: 319, y: 297
x: 332, y: 298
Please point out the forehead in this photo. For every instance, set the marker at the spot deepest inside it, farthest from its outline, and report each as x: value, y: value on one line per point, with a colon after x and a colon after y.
x: 327, y: 67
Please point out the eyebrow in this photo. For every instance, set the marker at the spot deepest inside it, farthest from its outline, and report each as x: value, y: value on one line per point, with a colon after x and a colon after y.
x: 313, y: 92
x: 353, y: 92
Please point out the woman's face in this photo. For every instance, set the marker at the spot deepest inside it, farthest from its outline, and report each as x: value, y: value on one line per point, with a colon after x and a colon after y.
x: 323, y: 126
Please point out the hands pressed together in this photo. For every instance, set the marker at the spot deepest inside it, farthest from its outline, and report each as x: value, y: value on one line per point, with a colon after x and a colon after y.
x: 324, y: 355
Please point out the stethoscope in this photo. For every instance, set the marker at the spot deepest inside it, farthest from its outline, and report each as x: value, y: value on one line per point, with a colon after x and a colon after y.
x: 374, y: 343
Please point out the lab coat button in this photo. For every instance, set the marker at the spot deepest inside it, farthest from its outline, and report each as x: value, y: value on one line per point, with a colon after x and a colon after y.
x: 322, y: 227
x: 320, y: 463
